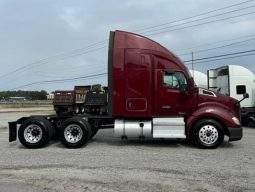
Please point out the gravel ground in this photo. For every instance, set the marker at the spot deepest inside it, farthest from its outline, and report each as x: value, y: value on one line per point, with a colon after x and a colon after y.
x: 110, y: 164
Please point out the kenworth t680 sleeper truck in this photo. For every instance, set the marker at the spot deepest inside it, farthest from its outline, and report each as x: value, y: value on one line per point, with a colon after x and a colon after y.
x: 151, y: 94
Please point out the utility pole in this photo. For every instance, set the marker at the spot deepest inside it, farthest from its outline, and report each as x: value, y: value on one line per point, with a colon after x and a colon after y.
x: 192, y: 64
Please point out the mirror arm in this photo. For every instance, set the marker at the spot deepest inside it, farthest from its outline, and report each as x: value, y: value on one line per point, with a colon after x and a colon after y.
x: 245, y: 96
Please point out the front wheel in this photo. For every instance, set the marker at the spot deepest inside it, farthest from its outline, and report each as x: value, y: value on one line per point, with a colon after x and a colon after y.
x: 207, y: 133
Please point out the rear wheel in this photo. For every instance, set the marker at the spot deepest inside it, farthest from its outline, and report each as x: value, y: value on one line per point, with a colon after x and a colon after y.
x: 35, y: 132
x: 75, y: 132
x: 207, y: 133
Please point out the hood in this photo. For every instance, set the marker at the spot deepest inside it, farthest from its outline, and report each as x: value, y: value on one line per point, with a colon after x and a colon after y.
x: 208, y: 96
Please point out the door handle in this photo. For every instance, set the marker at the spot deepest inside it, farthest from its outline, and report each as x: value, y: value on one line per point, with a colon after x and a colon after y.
x: 130, y: 105
x: 166, y: 107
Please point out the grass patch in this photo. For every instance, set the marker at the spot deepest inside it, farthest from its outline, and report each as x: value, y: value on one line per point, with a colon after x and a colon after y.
x: 25, y: 105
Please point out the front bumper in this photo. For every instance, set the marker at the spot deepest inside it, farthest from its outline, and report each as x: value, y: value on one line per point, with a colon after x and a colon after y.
x: 235, y: 134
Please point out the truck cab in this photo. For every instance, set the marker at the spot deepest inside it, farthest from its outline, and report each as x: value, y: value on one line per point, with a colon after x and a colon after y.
x: 150, y: 86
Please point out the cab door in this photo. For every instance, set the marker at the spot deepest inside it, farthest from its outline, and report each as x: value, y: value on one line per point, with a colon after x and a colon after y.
x: 172, y: 95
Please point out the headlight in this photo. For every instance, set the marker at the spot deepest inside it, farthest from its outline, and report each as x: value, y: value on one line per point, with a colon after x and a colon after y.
x: 236, y: 120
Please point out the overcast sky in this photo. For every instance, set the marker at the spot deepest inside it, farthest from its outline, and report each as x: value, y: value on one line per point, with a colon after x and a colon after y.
x: 44, y: 40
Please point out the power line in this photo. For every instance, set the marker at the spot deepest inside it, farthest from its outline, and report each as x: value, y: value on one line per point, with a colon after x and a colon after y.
x: 199, y: 24
x: 237, y: 56
x: 209, y: 59
x: 61, y: 80
x: 194, y: 16
x: 226, y: 45
x: 217, y: 56
x: 208, y: 44
x: 15, y: 77
x: 100, y: 74
x: 205, y: 18
x: 48, y: 59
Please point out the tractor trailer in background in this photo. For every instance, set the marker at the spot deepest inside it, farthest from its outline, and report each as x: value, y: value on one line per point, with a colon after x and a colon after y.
x: 234, y: 81
x: 151, y: 94
x: 200, y: 78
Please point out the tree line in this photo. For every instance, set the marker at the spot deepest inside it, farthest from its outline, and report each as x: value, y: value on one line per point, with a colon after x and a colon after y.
x: 29, y: 95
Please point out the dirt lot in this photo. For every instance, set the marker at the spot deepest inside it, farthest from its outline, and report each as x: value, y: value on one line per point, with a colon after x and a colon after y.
x: 110, y: 164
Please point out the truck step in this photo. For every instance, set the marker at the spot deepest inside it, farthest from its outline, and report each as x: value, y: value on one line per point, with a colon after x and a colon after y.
x: 169, y: 128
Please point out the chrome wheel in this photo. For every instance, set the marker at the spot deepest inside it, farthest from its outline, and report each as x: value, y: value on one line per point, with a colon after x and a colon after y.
x: 208, y: 134
x: 73, y: 133
x: 33, y: 133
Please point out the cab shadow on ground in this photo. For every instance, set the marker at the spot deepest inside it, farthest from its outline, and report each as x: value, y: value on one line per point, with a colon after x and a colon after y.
x: 159, y: 143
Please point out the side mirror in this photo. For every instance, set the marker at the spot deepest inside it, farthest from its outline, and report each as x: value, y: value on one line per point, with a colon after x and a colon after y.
x: 245, y: 95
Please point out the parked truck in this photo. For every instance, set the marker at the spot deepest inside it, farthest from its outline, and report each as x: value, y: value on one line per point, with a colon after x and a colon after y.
x: 151, y: 94
x: 83, y: 99
x: 234, y: 81
x: 200, y: 78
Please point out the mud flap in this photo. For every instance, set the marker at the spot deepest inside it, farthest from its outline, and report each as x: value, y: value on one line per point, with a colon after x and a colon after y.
x: 12, y: 131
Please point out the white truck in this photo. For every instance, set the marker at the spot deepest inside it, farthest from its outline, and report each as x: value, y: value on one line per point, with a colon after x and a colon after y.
x: 234, y: 81
x: 200, y: 78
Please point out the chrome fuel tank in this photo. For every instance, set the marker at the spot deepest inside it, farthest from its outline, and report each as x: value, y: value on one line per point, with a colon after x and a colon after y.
x: 132, y: 129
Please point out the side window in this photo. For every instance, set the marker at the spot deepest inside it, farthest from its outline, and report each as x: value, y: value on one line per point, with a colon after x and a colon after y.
x: 175, y: 80
x: 240, y: 89
x: 168, y: 79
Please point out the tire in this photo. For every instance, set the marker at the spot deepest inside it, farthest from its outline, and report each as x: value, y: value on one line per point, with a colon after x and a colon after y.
x: 244, y: 121
x: 75, y: 132
x: 35, y: 132
x: 251, y: 120
x: 207, y: 134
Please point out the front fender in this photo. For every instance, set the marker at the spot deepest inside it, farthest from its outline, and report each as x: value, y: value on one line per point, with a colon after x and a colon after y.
x: 219, y: 113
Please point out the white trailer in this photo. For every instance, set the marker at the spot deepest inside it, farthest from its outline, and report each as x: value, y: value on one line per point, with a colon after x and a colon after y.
x: 234, y: 81
x: 200, y: 78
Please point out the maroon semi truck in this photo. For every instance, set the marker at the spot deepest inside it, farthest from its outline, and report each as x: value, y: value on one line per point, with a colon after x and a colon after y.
x: 151, y: 94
